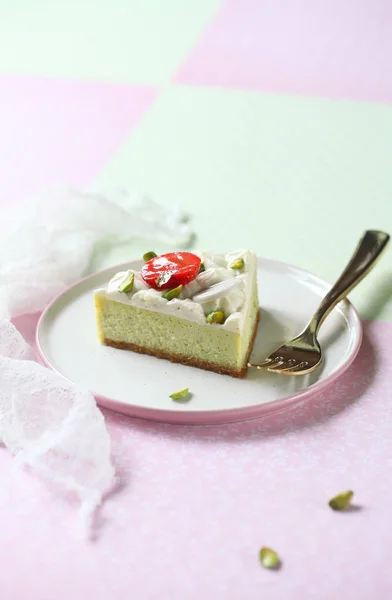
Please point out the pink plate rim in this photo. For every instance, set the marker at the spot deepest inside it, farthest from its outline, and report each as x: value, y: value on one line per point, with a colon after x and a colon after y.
x: 216, y: 416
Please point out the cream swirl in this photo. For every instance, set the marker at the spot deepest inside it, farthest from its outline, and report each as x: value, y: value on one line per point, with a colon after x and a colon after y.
x: 219, y: 287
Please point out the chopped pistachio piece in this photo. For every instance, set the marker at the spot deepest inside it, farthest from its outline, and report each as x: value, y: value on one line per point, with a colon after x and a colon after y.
x: 216, y: 316
x: 174, y: 293
x: 180, y: 395
x: 148, y: 256
x: 202, y: 268
x: 341, y: 501
x: 268, y: 558
x: 238, y: 264
x: 127, y: 285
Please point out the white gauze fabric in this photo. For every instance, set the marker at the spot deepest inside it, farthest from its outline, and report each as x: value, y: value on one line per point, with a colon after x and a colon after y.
x: 48, y: 423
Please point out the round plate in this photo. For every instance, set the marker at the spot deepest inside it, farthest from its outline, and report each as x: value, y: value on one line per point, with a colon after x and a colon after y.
x: 140, y: 385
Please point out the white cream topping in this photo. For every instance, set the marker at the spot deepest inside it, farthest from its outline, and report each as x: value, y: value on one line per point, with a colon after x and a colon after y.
x: 218, y: 288
x: 116, y: 281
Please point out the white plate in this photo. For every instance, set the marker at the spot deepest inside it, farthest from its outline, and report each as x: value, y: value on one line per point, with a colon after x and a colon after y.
x: 140, y: 385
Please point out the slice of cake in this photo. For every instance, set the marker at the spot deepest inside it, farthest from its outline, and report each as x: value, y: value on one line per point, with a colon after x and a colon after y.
x: 199, y: 309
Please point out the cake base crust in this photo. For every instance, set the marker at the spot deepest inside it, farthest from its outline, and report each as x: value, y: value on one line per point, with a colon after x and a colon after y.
x: 188, y: 360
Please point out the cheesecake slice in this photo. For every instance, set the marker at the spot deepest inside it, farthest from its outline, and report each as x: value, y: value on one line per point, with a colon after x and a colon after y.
x: 199, y: 309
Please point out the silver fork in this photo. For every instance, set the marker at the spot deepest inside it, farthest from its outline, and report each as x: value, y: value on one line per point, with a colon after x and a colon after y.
x: 303, y: 354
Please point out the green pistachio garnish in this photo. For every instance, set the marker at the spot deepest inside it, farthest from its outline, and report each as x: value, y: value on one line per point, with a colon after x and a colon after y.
x: 238, y: 264
x: 127, y: 285
x: 180, y: 395
x: 202, y: 268
x: 148, y: 256
x: 341, y: 501
x: 269, y: 558
x: 174, y: 293
x: 216, y: 316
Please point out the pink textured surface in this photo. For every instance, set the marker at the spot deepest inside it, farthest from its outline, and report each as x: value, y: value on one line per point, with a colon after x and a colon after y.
x: 196, y: 503
x: 61, y: 132
x: 316, y: 47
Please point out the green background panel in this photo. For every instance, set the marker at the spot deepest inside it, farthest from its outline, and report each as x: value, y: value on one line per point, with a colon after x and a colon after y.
x: 121, y: 40
x: 297, y: 179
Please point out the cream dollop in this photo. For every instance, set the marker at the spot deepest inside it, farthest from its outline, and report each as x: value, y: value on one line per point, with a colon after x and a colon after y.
x: 217, y: 288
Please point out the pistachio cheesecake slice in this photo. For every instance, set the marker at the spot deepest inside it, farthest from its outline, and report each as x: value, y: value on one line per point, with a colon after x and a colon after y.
x: 199, y: 309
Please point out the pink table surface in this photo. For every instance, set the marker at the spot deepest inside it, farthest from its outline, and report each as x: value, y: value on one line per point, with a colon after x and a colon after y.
x: 194, y: 505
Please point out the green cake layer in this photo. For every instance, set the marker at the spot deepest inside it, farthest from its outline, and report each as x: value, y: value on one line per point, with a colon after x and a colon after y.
x: 212, y: 346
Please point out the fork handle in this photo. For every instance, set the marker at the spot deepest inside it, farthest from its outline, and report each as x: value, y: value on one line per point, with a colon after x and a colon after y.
x: 369, y: 249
